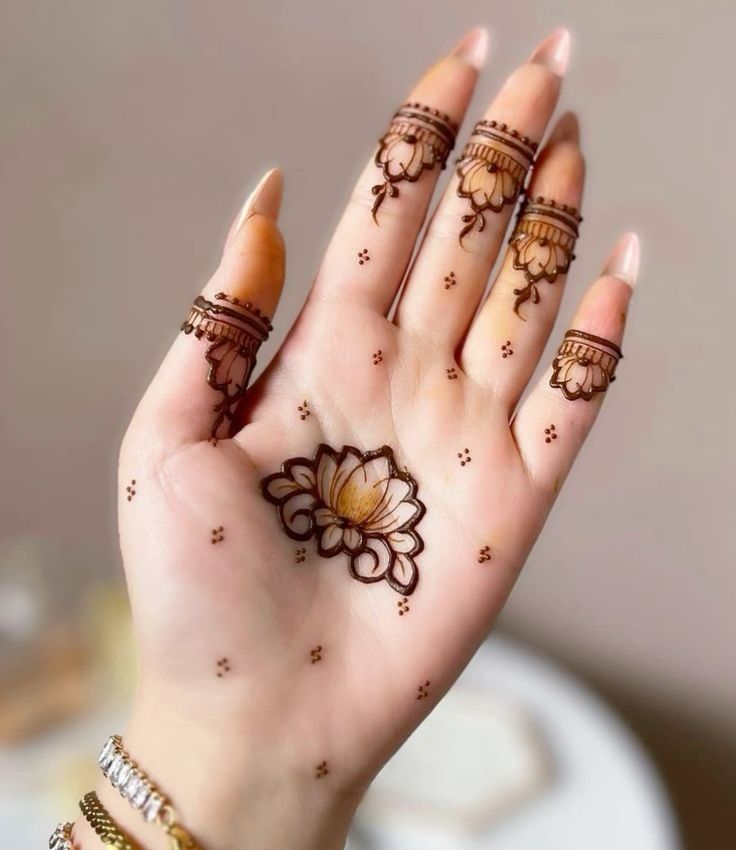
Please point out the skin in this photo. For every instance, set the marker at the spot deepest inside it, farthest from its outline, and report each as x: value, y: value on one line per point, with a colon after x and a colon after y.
x: 239, y: 753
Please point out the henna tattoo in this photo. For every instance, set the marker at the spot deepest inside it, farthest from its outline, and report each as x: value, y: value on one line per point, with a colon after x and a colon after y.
x: 422, y: 692
x: 363, y: 256
x: 235, y: 330
x: 491, y: 171
x: 301, y: 555
x: 464, y: 457
x: 321, y: 770
x: 585, y: 364
x: 484, y: 554
x: 417, y: 138
x: 223, y: 666
x: 550, y: 434
x: 217, y: 535
x: 542, y: 245
x: 450, y: 280
x: 304, y: 410
x: 506, y: 349
x: 316, y: 654
x: 355, y: 502
x: 377, y: 357
x: 403, y: 606
x: 130, y: 490
x: 451, y: 374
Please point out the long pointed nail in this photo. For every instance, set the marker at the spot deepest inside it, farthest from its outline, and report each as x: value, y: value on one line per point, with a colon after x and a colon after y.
x: 623, y: 261
x: 567, y: 129
x: 554, y: 52
x: 473, y: 48
x: 264, y: 199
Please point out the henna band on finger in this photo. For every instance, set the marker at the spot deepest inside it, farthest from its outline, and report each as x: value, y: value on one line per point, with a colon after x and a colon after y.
x: 491, y: 171
x: 585, y: 364
x: 235, y: 330
x: 418, y: 137
x: 542, y: 245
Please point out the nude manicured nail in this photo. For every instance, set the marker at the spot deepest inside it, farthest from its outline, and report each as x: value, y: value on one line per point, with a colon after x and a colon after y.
x: 567, y: 129
x: 473, y: 48
x: 265, y: 198
x: 554, y: 52
x: 623, y: 261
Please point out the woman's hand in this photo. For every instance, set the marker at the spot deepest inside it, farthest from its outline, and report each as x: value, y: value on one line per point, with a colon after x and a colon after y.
x: 275, y: 680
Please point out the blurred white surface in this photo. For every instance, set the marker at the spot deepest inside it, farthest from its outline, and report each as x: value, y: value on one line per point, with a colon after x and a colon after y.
x: 602, y: 794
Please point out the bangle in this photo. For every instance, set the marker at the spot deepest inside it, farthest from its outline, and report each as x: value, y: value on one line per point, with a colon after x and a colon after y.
x: 61, y: 838
x: 134, y: 786
x: 104, y: 826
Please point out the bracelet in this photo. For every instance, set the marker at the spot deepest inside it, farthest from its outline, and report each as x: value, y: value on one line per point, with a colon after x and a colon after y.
x: 104, y: 826
x: 61, y: 837
x: 134, y: 786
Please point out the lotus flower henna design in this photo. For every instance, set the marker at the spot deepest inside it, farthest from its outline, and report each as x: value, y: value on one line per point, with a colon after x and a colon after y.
x: 585, y: 365
x: 354, y: 502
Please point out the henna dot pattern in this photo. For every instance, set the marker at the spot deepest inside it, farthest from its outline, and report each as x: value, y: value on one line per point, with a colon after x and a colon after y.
x: 321, y: 770
x: 402, y: 606
x: 130, y: 490
x: 422, y: 692
x: 304, y: 410
x: 450, y: 280
x: 300, y: 556
x: 217, y: 535
x: 550, y: 434
x: 506, y: 349
x: 223, y: 666
x: 484, y: 554
x: 464, y: 457
x: 363, y: 256
x: 377, y: 357
x: 451, y: 374
x: 316, y: 654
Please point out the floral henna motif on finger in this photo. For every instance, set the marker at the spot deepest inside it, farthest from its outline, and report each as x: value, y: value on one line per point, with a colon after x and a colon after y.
x: 417, y: 139
x: 542, y: 245
x: 235, y: 330
x: 585, y: 364
x: 491, y: 171
x: 359, y: 503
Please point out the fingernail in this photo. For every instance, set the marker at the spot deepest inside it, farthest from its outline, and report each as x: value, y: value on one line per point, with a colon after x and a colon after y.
x: 265, y: 198
x: 554, y: 52
x: 473, y: 48
x: 623, y: 261
x: 567, y: 129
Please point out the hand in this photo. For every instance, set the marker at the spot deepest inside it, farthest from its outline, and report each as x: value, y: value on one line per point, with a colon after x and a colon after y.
x: 275, y: 681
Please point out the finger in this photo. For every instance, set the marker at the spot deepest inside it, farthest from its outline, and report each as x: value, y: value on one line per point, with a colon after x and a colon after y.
x: 207, y: 369
x: 466, y: 232
x: 554, y: 421
x: 507, y: 338
x: 367, y: 257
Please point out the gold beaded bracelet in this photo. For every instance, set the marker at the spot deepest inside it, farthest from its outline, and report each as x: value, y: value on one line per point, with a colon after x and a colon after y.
x: 61, y: 837
x: 104, y: 826
x: 134, y: 786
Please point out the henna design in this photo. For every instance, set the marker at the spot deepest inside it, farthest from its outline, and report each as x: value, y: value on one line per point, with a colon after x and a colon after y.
x: 304, y: 410
x: 301, y: 555
x: 316, y: 654
x: 550, y: 434
x: 422, y: 692
x: 491, y: 171
x: 451, y: 374
x: 235, y: 330
x: 377, y: 357
x: 355, y: 502
x: 585, y: 364
x: 402, y: 606
x: 450, y: 280
x: 542, y: 245
x: 363, y: 256
x: 464, y: 457
x: 217, y: 535
x: 223, y: 666
x: 417, y: 138
x: 130, y: 490
x: 484, y: 554
x: 321, y: 770
x: 506, y: 349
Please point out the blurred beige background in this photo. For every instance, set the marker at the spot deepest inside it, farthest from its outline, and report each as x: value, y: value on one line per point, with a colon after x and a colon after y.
x: 130, y: 133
